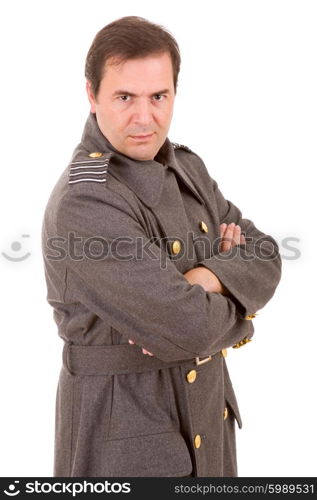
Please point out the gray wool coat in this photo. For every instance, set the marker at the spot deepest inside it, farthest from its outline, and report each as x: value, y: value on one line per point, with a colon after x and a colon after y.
x: 117, y: 236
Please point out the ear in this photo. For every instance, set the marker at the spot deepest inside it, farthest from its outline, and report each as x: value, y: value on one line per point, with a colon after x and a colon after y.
x: 91, y: 97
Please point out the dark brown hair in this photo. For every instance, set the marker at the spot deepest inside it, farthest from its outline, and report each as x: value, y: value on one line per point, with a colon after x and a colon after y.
x: 129, y: 38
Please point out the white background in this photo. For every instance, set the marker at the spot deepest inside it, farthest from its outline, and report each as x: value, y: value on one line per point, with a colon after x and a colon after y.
x: 247, y: 104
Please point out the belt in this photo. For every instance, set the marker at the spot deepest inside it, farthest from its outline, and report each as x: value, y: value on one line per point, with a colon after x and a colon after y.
x: 117, y: 359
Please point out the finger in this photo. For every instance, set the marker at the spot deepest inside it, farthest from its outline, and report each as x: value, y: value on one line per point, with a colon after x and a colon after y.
x: 242, y: 240
x: 223, y: 227
x: 236, y: 235
x: 227, y: 238
x: 131, y: 341
x: 146, y: 352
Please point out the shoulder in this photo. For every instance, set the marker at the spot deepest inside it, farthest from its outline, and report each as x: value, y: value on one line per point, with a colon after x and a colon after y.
x: 186, y: 154
x: 87, y: 196
x: 181, y: 147
x: 191, y: 161
x: 88, y: 178
x: 88, y: 167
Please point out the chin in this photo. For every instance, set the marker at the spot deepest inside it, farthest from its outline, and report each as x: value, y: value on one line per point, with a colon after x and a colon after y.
x: 137, y: 154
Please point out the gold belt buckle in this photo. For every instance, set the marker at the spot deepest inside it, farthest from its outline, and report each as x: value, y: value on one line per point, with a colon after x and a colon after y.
x: 201, y: 361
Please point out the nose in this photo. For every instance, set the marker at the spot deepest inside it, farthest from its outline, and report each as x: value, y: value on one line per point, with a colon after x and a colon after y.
x: 142, y: 112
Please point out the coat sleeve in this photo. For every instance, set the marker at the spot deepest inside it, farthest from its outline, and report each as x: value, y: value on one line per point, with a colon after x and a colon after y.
x: 250, y: 271
x: 117, y: 272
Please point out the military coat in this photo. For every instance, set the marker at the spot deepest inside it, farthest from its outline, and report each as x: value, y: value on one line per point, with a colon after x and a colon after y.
x: 117, y: 237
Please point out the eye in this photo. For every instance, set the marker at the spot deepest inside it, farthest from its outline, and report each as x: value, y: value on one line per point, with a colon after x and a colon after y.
x: 158, y: 97
x: 124, y: 98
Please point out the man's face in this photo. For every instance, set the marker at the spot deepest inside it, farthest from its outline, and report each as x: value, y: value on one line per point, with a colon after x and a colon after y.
x: 134, y: 105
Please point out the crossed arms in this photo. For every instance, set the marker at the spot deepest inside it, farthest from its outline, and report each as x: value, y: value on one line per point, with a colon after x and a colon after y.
x: 173, y: 315
x: 230, y: 236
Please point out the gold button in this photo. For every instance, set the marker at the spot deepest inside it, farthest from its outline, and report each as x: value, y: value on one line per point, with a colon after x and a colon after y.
x: 191, y: 376
x: 241, y: 343
x: 176, y: 247
x: 95, y: 155
x: 250, y: 316
x: 203, y: 226
x: 224, y: 352
x: 197, y: 441
x: 225, y: 413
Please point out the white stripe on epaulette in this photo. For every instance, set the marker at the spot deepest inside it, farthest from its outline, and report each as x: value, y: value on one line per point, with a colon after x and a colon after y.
x: 86, y: 172
x: 88, y: 167
x: 83, y: 180
x: 90, y: 161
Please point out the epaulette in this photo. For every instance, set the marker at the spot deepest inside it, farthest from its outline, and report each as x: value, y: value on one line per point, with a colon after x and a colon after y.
x: 181, y: 146
x: 89, y: 167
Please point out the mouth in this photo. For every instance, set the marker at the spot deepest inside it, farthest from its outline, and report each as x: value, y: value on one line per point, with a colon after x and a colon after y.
x: 145, y: 137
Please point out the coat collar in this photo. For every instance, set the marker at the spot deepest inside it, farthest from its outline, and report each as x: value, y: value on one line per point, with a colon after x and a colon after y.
x: 145, y: 178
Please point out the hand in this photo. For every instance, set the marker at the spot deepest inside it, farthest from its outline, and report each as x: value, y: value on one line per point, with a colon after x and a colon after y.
x: 202, y: 276
x: 143, y: 350
x: 231, y: 236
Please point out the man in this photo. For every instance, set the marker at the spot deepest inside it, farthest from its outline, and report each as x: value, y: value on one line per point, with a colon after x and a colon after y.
x: 152, y: 275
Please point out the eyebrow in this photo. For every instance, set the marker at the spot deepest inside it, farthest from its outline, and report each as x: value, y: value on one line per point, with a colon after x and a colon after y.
x: 126, y: 92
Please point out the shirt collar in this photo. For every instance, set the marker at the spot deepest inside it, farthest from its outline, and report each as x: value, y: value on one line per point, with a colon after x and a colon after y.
x: 145, y: 178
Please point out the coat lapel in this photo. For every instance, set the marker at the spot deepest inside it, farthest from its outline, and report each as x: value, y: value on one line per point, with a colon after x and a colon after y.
x: 172, y: 219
